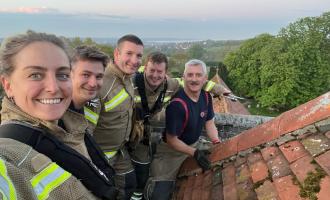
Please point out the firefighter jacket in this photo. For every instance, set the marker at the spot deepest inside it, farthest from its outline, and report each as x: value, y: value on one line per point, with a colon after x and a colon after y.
x: 112, y: 115
x: 27, y: 174
x: 173, y: 85
x: 75, y: 125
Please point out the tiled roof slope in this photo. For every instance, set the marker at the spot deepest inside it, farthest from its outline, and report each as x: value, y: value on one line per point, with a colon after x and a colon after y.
x: 225, y: 105
x: 280, y: 159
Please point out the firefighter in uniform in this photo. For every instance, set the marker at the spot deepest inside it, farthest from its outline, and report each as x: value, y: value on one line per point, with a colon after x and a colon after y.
x: 112, y: 117
x: 153, y: 90
x: 35, y: 74
x: 27, y: 174
x: 88, y: 65
x: 189, y: 111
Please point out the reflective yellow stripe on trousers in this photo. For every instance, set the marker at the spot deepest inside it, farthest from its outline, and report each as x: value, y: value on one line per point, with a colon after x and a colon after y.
x: 48, y: 179
x: 90, y: 115
x: 115, y: 101
x: 7, y: 188
x: 209, y: 86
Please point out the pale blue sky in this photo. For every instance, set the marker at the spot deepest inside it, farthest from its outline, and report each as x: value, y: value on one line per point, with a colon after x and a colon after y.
x: 185, y: 19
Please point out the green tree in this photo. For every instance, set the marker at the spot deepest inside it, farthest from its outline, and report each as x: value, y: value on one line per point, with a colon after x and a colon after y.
x: 286, y: 70
x: 277, y: 75
x: 308, y: 49
x: 244, y: 65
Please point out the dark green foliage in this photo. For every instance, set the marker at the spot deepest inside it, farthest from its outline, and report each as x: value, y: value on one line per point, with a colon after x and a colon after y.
x: 244, y: 66
x: 286, y: 70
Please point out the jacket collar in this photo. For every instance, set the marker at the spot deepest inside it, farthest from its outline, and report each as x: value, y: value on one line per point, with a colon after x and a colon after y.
x: 114, y: 69
x: 11, y: 112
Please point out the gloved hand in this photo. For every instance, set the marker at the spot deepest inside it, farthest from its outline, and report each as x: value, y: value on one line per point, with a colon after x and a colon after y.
x: 202, y: 159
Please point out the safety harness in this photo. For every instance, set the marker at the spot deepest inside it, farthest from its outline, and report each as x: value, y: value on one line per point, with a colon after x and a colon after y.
x: 146, y: 112
x: 96, y: 175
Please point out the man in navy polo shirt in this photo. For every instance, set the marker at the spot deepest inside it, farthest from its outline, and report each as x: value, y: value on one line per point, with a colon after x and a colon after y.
x: 186, y: 115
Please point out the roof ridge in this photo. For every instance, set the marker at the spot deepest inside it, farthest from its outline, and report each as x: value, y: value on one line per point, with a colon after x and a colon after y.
x: 307, y: 117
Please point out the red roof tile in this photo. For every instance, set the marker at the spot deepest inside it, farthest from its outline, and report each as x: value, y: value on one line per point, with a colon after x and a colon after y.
x: 269, y: 153
x: 242, y: 173
x: 324, y: 161
x: 316, y: 144
x: 259, y: 171
x: 278, y: 167
x: 286, y: 189
x: 267, y: 191
x: 324, y: 193
x: 306, y: 114
x: 274, y: 172
x: 302, y: 166
x: 246, y: 191
x: 293, y: 151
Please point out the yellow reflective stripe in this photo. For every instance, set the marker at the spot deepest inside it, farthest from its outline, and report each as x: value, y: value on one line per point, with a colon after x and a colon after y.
x: 90, y: 115
x: 141, y: 69
x: 115, y: 101
x: 48, y: 179
x: 110, y: 154
x: 7, y: 188
x: 181, y: 82
x: 209, y: 86
x: 137, y: 99
x: 166, y: 99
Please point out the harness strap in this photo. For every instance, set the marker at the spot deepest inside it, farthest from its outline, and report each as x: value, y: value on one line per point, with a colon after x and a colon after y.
x: 87, y: 172
x: 184, y: 104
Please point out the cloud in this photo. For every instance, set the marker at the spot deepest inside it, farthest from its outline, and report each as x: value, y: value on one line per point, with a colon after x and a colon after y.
x: 100, y: 16
x: 30, y: 10
x: 52, y: 11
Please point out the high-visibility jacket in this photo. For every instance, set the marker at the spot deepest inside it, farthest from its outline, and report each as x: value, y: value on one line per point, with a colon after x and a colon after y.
x: 27, y: 174
x: 75, y: 136
x: 74, y: 123
x: 112, y: 115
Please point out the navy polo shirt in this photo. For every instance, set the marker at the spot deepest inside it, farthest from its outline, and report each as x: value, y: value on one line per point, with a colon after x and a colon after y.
x: 199, y: 113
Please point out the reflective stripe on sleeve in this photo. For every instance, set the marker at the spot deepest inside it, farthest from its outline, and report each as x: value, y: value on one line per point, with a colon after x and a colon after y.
x: 90, y: 115
x: 167, y: 98
x: 209, y: 86
x: 141, y: 69
x: 137, y: 99
x: 110, y: 154
x: 7, y: 188
x: 48, y: 179
x: 181, y: 82
x: 115, y: 101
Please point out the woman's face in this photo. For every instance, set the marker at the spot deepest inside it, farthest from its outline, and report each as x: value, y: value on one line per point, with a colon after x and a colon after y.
x: 40, y: 83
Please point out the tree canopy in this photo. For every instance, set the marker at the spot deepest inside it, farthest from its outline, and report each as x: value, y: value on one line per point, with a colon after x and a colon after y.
x: 285, y: 70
